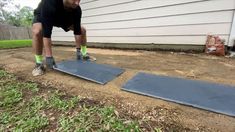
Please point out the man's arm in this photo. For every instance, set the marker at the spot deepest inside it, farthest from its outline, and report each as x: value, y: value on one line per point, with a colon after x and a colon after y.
x: 79, y: 40
x: 77, y: 28
x: 47, y: 14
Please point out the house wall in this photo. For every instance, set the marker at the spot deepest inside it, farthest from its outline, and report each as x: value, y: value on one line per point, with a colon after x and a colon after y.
x: 154, y: 22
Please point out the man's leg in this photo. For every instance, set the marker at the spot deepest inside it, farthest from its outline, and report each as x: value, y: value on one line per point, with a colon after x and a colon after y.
x: 37, y: 38
x: 38, y: 48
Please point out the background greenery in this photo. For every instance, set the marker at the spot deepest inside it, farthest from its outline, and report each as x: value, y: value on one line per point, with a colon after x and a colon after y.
x: 8, y: 44
x: 13, y: 14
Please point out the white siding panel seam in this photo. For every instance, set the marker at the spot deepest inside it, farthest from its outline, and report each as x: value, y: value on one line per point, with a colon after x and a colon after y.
x: 93, y: 29
x: 158, y: 35
x: 189, y: 40
x: 110, y: 5
x: 152, y: 35
x: 82, y: 3
x: 156, y: 17
x: 183, y: 3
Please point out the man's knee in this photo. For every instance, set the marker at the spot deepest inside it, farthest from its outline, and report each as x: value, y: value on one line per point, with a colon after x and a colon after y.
x: 37, y: 30
x: 83, y: 30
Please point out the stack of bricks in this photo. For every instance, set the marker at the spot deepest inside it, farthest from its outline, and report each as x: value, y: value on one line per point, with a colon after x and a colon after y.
x: 215, y: 45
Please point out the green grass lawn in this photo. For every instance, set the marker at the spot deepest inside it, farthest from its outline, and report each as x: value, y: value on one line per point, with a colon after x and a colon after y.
x: 28, y: 107
x: 9, y: 44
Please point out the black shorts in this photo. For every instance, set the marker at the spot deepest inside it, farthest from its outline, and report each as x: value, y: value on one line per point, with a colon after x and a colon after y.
x: 37, y: 18
x: 65, y: 25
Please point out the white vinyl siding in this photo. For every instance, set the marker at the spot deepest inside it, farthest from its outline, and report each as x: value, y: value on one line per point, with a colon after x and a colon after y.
x: 154, y: 21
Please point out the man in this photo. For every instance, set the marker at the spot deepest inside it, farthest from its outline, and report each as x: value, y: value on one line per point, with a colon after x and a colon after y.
x: 61, y: 13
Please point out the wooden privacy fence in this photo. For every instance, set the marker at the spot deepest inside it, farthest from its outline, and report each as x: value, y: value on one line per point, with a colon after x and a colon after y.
x: 8, y: 32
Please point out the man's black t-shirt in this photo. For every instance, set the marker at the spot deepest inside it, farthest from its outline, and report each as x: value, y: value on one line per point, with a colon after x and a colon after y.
x: 53, y: 13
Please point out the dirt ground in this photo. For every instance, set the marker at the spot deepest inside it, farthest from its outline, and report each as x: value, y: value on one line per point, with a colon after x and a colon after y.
x: 192, y: 66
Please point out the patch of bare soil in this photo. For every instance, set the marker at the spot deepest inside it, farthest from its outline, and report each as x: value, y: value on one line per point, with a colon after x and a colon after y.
x: 169, y: 116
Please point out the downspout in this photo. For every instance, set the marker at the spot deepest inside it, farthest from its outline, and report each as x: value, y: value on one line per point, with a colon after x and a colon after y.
x: 232, y: 32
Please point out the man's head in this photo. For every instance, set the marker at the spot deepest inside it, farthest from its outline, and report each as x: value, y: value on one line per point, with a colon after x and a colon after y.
x: 71, y: 3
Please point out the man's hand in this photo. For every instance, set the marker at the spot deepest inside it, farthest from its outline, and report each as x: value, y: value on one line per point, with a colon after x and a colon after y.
x: 50, y: 62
